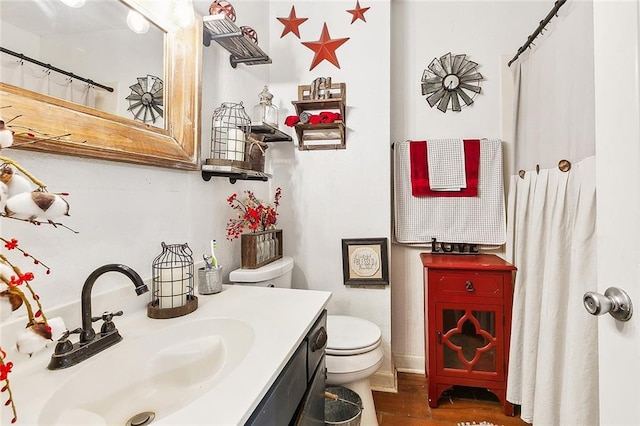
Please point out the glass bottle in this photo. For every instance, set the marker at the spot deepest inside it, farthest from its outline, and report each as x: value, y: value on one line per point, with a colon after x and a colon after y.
x: 262, y: 248
x: 276, y: 245
x: 265, y: 111
x: 272, y: 246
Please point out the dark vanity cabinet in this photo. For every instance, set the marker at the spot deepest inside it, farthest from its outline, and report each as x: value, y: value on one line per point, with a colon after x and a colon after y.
x: 468, y: 301
x: 297, y: 395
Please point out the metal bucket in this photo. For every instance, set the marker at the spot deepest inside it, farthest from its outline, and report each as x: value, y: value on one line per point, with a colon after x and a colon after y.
x: 342, y: 407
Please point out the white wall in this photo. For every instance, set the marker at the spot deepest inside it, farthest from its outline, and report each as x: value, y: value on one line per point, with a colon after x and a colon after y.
x: 336, y: 194
x: 485, y: 31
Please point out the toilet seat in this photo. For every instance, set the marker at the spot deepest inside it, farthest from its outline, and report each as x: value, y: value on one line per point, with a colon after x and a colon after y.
x: 355, y: 364
x: 355, y: 351
x: 351, y: 336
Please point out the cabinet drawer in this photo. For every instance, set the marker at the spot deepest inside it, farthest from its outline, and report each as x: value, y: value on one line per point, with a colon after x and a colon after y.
x: 281, y: 401
x: 467, y: 283
x: 316, y: 344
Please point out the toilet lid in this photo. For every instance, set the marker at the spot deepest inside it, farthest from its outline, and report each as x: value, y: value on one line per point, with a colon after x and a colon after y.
x: 350, y: 335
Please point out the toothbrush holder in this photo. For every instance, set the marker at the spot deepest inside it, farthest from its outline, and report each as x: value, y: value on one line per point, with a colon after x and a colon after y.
x: 210, y: 280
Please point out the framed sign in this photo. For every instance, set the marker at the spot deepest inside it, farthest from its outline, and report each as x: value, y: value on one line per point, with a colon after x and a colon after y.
x: 365, y: 261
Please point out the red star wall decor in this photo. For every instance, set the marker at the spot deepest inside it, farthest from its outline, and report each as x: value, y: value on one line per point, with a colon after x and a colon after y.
x: 358, y: 12
x: 325, y: 48
x: 291, y: 23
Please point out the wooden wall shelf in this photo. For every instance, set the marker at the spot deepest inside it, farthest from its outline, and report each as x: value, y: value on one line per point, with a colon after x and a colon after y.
x: 319, y: 136
x: 233, y: 173
x: 236, y: 170
x: 267, y: 133
x: 227, y: 34
x: 308, y: 133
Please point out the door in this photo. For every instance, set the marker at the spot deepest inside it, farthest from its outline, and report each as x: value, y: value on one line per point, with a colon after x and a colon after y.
x: 618, y: 198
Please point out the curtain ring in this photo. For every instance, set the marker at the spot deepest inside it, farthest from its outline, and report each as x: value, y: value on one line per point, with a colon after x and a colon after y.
x: 537, y: 169
x: 521, y: 173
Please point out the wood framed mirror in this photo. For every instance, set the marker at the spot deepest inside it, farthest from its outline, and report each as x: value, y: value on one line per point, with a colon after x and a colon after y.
x: 53, y: 125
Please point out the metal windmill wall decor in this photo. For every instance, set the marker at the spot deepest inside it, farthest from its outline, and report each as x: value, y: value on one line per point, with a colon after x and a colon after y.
x: 451, y: 82
x: 146, y: 99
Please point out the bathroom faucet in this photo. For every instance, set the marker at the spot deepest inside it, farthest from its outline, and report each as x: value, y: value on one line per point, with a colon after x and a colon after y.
x: 67, y: 354
x: 88, y: 334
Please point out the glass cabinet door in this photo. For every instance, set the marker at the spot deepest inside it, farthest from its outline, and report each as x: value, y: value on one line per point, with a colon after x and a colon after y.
x: 469, y: 341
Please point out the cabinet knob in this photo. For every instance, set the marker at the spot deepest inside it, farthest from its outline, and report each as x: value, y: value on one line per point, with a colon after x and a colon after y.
x: 320, y: 340
x: 469, y: 286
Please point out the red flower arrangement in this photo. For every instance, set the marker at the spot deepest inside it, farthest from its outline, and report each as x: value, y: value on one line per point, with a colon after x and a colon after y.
x: 253, y: 214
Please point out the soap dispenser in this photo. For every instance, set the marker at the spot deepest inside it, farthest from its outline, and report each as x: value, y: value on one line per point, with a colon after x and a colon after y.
x: 265, y: 112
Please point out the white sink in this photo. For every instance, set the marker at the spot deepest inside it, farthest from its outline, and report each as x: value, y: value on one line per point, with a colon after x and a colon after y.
x: 213, y: 366
x: 158, y: 372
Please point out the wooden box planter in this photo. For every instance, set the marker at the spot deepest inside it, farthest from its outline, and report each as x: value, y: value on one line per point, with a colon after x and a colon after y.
x: 260, y: 248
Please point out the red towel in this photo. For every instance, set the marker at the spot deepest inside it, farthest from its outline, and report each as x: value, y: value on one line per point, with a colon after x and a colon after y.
x: 420, y: 170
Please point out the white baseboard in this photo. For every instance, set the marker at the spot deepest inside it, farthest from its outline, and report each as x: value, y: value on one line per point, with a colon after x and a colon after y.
x: 385, y: 381
x: 406, y: 363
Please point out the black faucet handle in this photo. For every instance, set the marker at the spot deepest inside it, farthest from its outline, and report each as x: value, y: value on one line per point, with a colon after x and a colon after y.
x: 108, y: 325
x: 107, y: 316
x: 64, y: 345
x: 66, y: 333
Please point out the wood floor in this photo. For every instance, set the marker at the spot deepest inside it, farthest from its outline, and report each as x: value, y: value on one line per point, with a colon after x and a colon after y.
x: 409, y: 407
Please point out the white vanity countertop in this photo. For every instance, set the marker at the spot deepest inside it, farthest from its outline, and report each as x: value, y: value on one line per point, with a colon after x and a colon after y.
x: 279, y: 318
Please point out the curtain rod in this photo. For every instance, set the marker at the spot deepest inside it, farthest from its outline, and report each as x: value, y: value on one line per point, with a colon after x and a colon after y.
x: 52, y: 68
x: 558, y: 4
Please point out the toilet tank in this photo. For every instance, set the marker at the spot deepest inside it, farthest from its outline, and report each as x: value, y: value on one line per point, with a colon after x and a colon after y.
x: 274, y: 274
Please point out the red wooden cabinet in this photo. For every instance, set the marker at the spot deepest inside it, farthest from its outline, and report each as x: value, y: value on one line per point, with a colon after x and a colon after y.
x: 467, y: 301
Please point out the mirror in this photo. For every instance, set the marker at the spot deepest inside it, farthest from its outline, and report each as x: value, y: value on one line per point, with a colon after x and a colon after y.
x: 44, y: 41
x: 49, y: 124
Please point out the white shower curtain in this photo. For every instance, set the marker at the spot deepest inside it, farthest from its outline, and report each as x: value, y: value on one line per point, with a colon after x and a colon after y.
x: 38, y: 79
x: 551, y: 233
x: 551, y: 226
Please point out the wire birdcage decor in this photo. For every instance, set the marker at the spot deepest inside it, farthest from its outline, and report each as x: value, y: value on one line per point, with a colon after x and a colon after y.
x: 172, y: 287
x: 230, y: 126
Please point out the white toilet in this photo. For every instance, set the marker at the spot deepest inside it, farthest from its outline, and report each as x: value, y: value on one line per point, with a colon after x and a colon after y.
x: 353, y: 356
x: 353, y: 345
